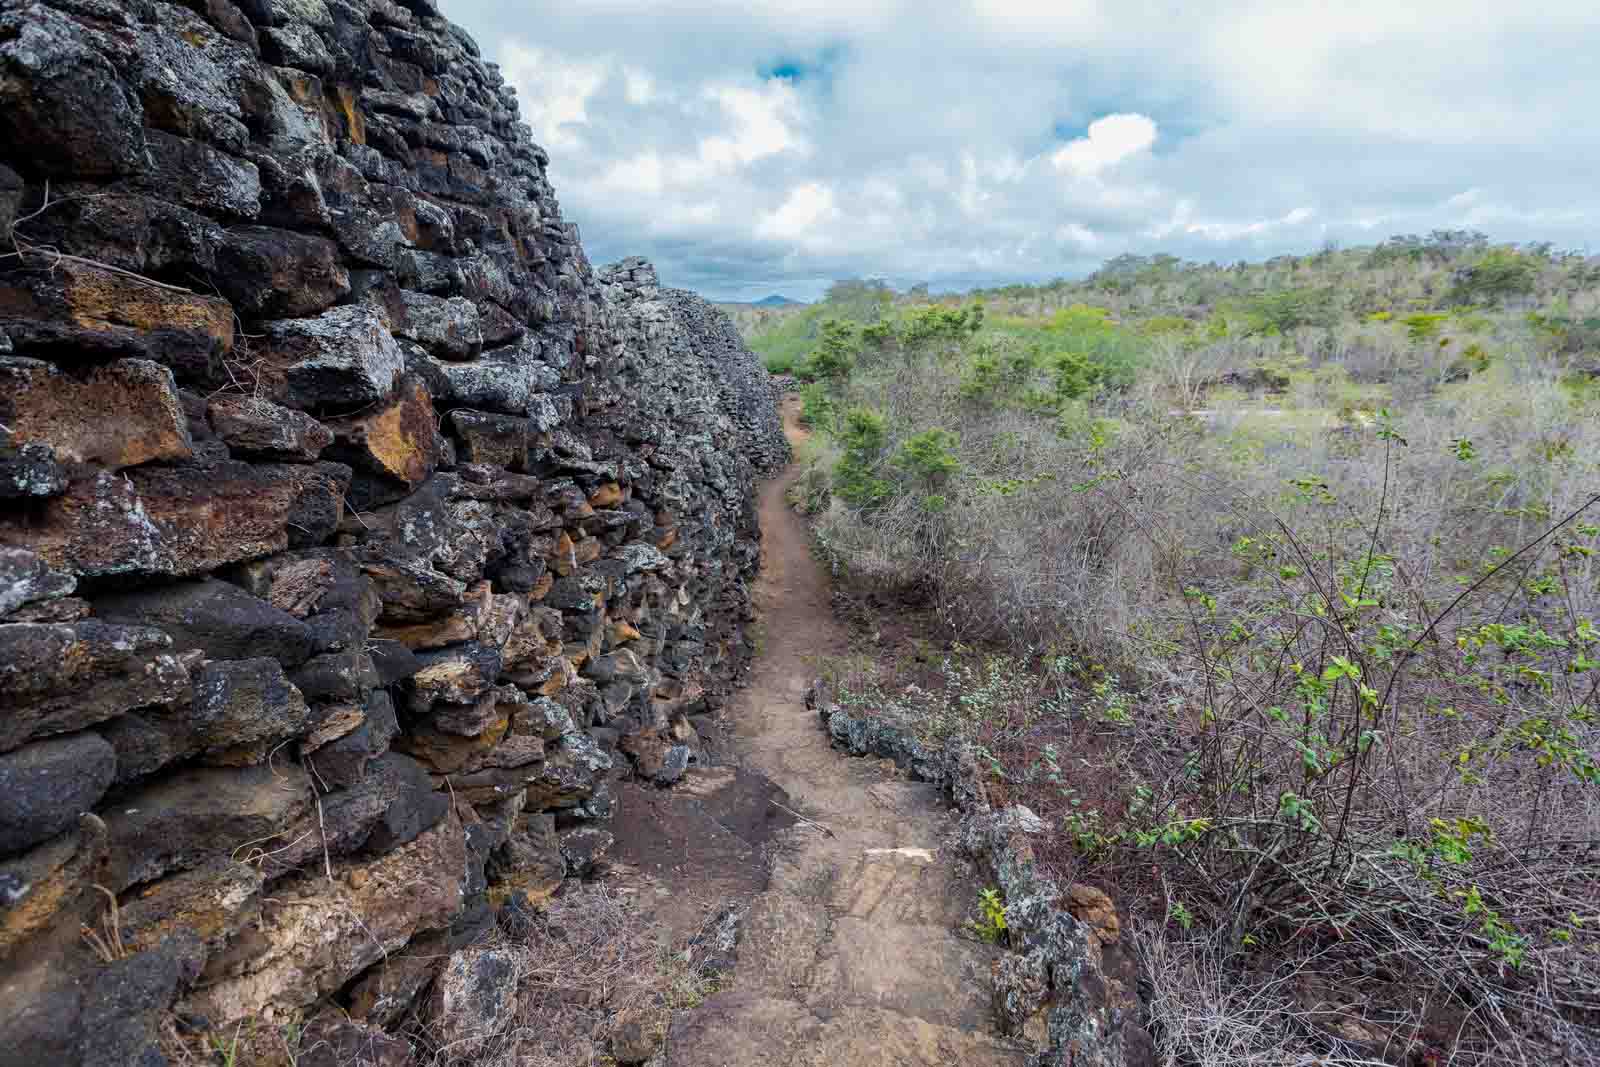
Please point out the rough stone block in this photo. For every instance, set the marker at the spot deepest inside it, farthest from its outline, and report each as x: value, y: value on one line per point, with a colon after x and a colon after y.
x: 259, y: 428
x: 242, y: 710
x: 45, y: 785
x: 494, y: 440
x: 78, y: 312
x: 173, y: 521
x: 59, y: 678
x: 341, y: 360
x: 27, y: 579
x: 447, y: 327
x: 199, y: 816
x: 62, y: 99
x: 44, y: 887
x: 120, y: 415
x: 398, y: 443
x: 319, y: 935
x: 270, y: 273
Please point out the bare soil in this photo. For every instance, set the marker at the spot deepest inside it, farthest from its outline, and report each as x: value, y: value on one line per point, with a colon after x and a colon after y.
x: 855, y: 952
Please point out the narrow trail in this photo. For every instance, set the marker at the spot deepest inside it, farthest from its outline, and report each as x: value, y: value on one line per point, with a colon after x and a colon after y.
x: 852, y: 955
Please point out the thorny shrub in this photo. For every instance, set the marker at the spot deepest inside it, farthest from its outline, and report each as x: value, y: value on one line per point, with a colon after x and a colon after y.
x: 1325, y: 688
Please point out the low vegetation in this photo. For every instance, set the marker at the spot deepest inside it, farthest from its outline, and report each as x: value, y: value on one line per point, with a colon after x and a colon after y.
x: 1274, y: 589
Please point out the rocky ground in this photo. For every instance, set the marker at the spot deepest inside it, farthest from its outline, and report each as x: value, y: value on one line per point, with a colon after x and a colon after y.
x: 855, y: 951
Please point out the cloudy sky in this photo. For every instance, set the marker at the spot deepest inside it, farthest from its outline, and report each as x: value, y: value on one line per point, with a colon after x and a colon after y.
x: 751, y: 147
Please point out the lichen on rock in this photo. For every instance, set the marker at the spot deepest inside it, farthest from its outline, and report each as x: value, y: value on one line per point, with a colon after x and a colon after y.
x: 350, y: 517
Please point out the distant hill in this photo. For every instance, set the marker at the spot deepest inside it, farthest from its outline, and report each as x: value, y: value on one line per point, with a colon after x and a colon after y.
x: 773, y: 301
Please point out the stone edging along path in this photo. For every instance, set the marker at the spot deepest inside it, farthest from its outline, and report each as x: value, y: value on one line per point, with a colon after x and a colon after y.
x: 1068, y: 984
x: 855, y: 954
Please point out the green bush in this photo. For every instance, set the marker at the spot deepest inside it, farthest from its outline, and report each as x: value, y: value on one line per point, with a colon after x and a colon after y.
x: 856, y: 477
x: 816, y: 407
x: 929, y: 456
x: 837, y: 347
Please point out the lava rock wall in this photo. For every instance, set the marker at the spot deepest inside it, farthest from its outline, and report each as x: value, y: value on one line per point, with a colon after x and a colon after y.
x: 354, y: 532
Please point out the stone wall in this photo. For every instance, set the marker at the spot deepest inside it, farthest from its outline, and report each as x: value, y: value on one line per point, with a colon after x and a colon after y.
x: 354, y: 532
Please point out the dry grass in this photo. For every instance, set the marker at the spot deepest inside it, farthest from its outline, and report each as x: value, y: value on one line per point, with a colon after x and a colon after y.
x: 583, y: 966
x: 1415, y: 834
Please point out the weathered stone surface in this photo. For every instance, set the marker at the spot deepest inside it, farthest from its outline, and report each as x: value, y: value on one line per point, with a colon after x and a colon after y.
x: 345, y: 761
x: 124, y: 1005
x: 331, y: 1040
x: 121, y: 415
x: 201, y: 177
x: 174, y: 521
x: 494, y: 440
x: 146, y: 741
x: 315, y: 936
x: 391, y: 987
x: 584, y: 847
x: 474, y: 997
x: 78, y: 312
x: 270, y: 273
x: 27, y: 579
x: 446, y: 327
x: 394, y: 802
x: 339, y: 361
x: 219, y: 618
x: 63, y: 99
x: 456, y: 675
x: 29, y: 471
x: 42, y: 889
x: 197, y: 817
x: 45, y: 785
x: 507, y: 381
x: 212, y: 903
x: 344, y: 676
x: 397, y: 444
x: 529, y: 865
x: 254, y: 427
x: 59, y: 678
x: 242, y: 710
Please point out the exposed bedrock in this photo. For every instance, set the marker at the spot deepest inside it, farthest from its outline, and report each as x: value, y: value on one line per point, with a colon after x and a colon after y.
x: 354, y: 531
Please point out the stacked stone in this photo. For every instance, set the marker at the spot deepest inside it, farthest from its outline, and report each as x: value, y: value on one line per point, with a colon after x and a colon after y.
x: 353, y: 532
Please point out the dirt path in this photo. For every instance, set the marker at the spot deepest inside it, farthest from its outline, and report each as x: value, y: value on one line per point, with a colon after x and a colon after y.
x: 852, y: 955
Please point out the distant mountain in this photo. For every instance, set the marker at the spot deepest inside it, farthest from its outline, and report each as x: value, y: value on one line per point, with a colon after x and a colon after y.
x: 774, y: 301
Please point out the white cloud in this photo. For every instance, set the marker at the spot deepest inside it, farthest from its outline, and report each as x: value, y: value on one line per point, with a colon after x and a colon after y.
x: 554, y: 91
x: 921, y: 141
x: 761, y: 121
x: 806, y: 206
x: 1109, y: 141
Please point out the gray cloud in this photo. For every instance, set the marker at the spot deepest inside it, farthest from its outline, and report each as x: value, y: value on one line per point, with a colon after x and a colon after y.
x: 752, y: 146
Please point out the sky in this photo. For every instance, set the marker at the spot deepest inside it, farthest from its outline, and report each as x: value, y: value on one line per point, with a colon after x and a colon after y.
x: 750, y: 147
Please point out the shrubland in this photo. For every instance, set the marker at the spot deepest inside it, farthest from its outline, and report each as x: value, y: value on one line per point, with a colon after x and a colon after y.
x: 1273, y: 588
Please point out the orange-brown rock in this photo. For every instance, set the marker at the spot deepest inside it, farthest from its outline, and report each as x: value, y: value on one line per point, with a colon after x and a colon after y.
x: 315, y: 935
x: 212, y: 902
x: 608, y: 495
x: 448, y: 753
x: 48, y: 883
x: 621, y: 631
x: 562, y: 560
x: 77, y: 312
x: 399, y: 441
x: 1092, y: 906
x: 178, y: 521
x: 586, y: 551
x: 119, y: 415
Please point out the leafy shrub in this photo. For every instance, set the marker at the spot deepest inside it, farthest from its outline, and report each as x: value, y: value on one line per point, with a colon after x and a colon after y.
x: 835, y: 354
x: 856, y: 480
